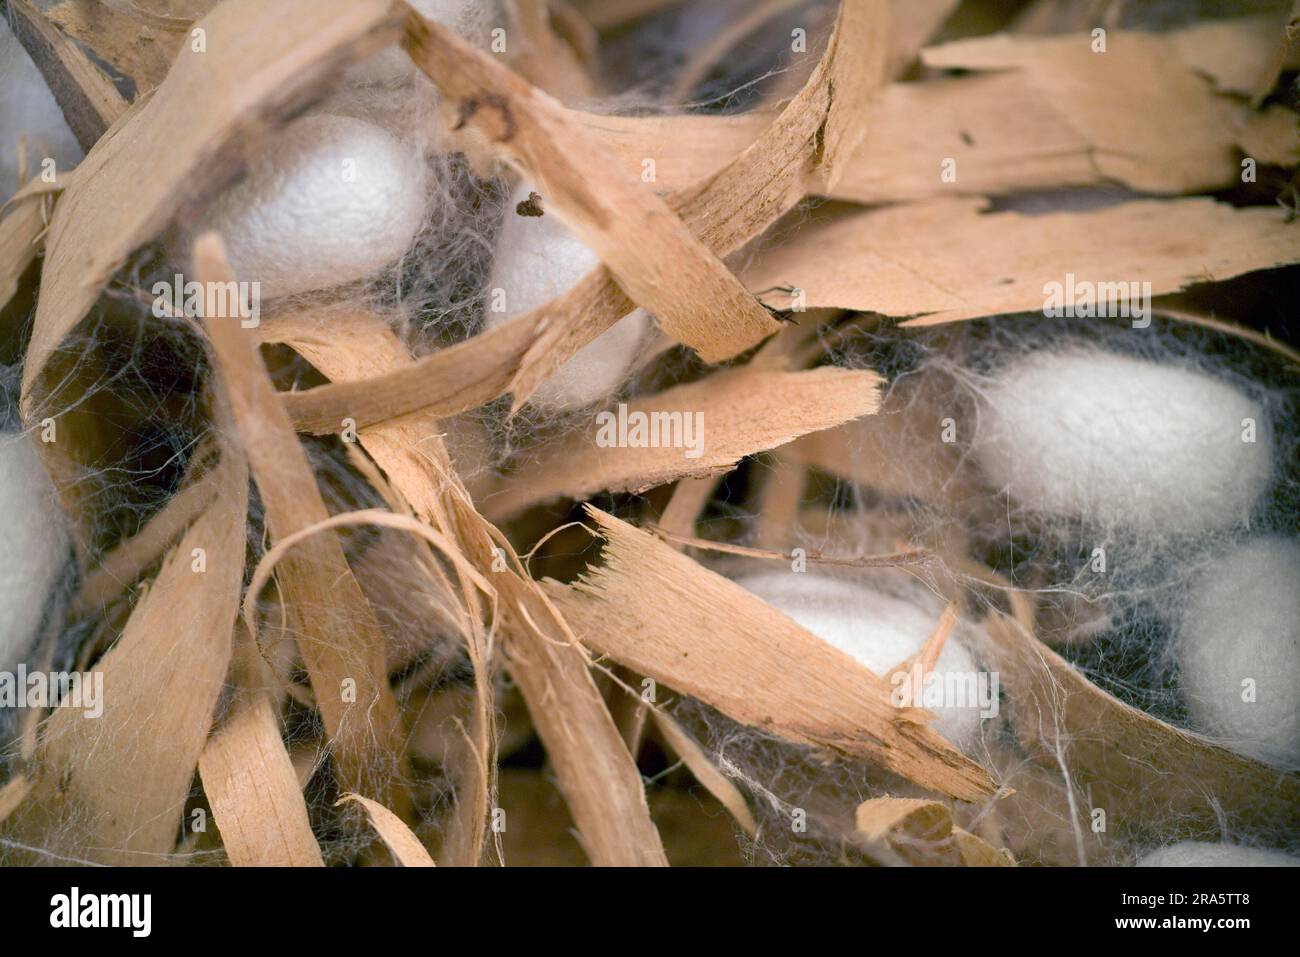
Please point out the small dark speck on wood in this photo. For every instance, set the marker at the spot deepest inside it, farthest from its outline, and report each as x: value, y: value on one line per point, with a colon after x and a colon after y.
x: 532, y: 206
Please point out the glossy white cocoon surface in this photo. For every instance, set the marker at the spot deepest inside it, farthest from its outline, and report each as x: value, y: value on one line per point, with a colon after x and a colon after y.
x: 35, y: 545
x: 1242, y: 624
x: 332, y: 200
x: 877, y: 629
x: 1122, y: 442
x: 537, y: 259
x: 1202, y: 854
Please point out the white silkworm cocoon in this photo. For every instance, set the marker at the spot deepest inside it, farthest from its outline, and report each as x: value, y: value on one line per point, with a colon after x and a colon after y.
x: 390, y: 67
x: 1238, y: 650
x: 1123, y: 442
x: 880, y: 630
x: 537, y: 259
x: 35, y: 545
x: 333, y: 200
x: 1205, y: 854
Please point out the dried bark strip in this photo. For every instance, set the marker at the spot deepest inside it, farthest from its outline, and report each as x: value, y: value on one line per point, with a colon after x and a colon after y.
x: 652, y: 254
x: 946, y: 260
x: 922, y: 833
x: 113, y: 789
x: 21, y: 238
x: 1138, y: 768
x: 337, y: 635
x: 737, y: 412
x: 143, y: 53
x: 596, y: 774
x: 1085, y: 86
x: 357, y: 345
x: 89, y: 100
x: 665, y: 616
x: 802, y: 151
x: 713, y: 780
x: 1054, y: 117
x: 263, y: 63
x: 403, y: 844
x: 249, y: 778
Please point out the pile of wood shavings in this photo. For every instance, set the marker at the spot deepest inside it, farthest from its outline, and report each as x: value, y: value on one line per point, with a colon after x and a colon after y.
x: 341, y: 626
